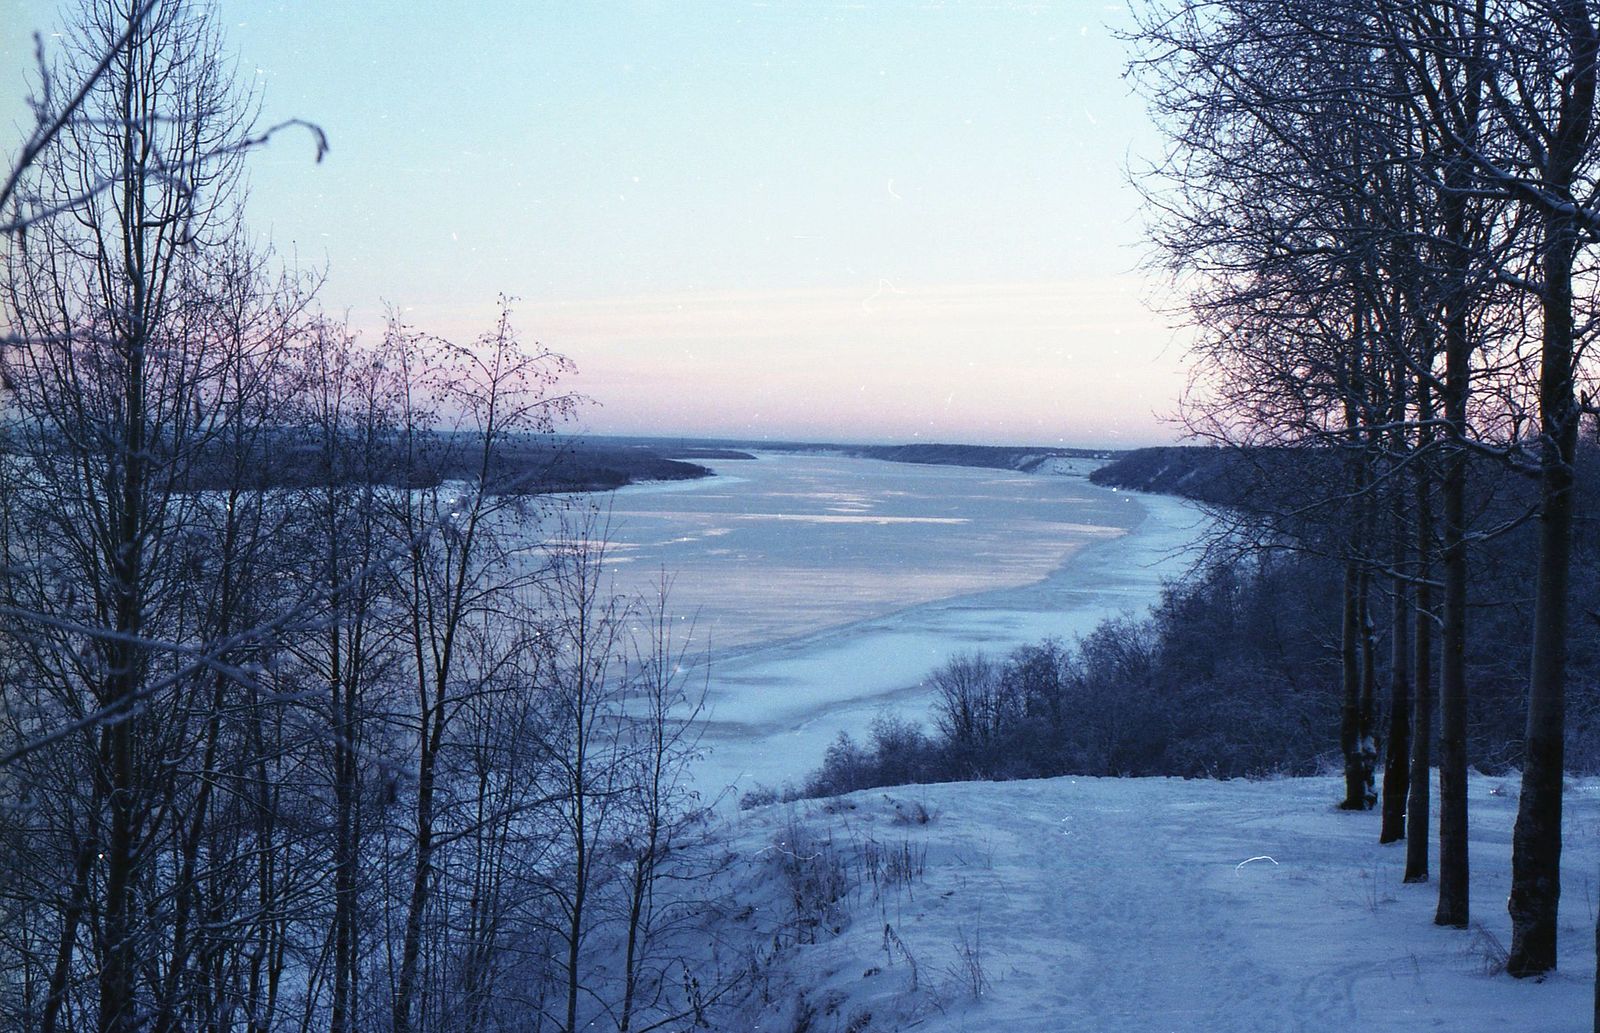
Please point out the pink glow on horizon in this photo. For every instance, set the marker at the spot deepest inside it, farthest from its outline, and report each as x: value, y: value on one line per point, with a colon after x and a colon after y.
x: 1077, y: 363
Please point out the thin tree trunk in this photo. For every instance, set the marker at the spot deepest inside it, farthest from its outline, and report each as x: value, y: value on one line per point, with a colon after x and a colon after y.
x: 1369, y: 685
x: 1453, y: 907
x: 1355, y: 778
x: 1419, y: 805
x: 61, y: 974
x: 344, y: 848
x: 1397, y: 752
x: 421, y: 881
x: 1397, y: 760
x: 118, y: 950
x: 580, y: 887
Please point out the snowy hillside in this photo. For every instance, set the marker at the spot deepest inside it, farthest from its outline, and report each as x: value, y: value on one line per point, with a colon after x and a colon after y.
x: 1066, y: 466
x: 1137, y: 905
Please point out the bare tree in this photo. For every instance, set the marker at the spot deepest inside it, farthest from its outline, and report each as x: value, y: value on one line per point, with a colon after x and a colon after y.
x: 285, y: 684
x: 56, y: 114
x: 663, y: 719
x: 586, y: 744
x: 1549, y: 63
x: 344, y: 405
x: 1345, y: 177
x: 1281, y: 208
x: 460, y: 563
x: 1508, y: 94
x: 141, y: 350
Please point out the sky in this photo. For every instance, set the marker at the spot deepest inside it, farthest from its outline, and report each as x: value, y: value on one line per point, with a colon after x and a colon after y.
x: 824, y: 221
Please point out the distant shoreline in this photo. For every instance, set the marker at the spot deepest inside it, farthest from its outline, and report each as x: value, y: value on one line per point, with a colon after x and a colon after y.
x: 1022, y: 458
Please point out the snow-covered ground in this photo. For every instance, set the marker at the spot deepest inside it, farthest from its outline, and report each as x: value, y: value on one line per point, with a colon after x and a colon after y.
x: 1130, y: 905
x: 827, y: 587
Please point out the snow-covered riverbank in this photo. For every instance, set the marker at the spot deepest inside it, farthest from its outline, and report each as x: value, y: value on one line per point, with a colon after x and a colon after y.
x: 1076, y: 905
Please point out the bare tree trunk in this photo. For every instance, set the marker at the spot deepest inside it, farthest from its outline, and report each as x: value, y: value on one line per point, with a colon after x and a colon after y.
x: 1369, y: 684
x: 1397, y: 746
x: 1355, y: 775
x: 1536, y: 840
x: 61, y: 974
x: 345, y: 857
x: 1418, y: 807
x: 577, y: 918
x: 422, y: 866
x: 1453, y: 907
x: 118, y: 954
x: 1397, y: 750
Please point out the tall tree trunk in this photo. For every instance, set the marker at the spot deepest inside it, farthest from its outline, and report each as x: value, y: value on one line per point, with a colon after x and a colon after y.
x: 1453, y: 907
x: 1397, y: 751
x: 1418, y: 807
x: 1536, y: 840
x: 119, y: 949
x: 345, y: 851
x: 422, y: 875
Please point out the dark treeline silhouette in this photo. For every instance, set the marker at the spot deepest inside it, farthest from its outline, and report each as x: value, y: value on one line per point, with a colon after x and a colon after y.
x: 523, y: 464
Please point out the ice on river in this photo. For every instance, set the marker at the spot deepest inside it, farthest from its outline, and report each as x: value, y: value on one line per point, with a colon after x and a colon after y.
x: 826, y: 588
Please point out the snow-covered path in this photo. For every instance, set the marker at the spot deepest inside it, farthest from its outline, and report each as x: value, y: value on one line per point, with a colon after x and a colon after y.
x: 1133, y: 905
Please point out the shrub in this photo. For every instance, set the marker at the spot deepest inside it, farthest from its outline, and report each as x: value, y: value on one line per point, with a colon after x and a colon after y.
x: 1215, y: 682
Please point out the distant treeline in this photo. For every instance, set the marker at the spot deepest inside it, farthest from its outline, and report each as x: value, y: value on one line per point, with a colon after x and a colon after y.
x: 1206, y: 474
x: 1289, y: 480
x: 999, y: 457
x: 1233, y: 477
x: 528, y: 464
x: 1026, y: 458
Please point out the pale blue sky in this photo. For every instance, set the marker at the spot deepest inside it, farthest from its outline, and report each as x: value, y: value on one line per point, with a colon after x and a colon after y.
x: 883, y: 221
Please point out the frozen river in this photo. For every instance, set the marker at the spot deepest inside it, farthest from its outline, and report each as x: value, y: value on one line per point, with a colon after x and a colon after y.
x: 826, y: 588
